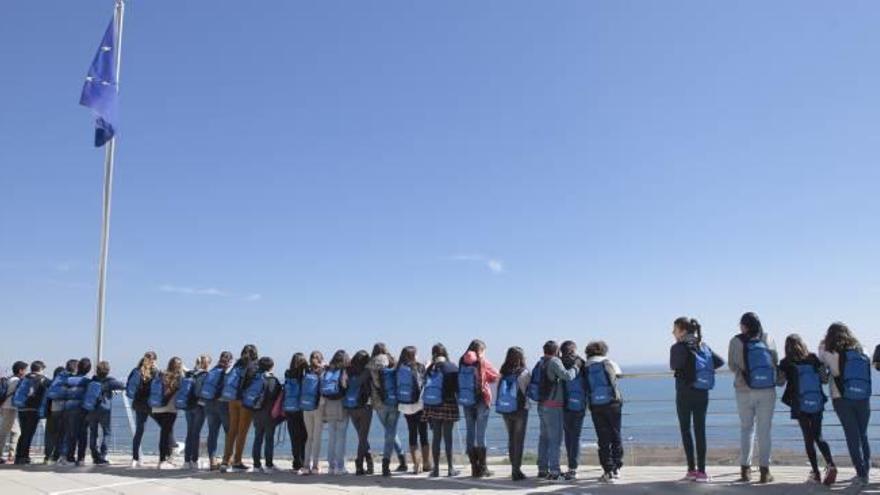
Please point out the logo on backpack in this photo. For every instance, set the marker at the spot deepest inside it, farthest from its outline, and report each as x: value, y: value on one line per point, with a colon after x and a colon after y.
x: 855, y: 378
x: 760, y: 370
x: 704, y: 368
x: 433, y: 393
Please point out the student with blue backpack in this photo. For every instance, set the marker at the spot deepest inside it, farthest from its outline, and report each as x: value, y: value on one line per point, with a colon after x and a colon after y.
x: 163, y: 390
x: 74, y: 416
x: 803, y: 375
x: 513, y: 405
x: 384, y: 398
x: 475, y: 377
x: 137, y: 389
x: 54, y: 416
x: 547, y: 388
x: 850, y: 394
x: 240, y: 418
x: 216, y: 409
x: 28, y: 399
x: 313, y: 413
x: 752, y: 358
x: 693, y: 363
x: 334, y: 383
x: 357, y: 403
x: 410, y: 376
x: 97, y: 404
x: 293, y: 413
x: 260, y: 397
x: 189, y: 400
x: 440, y: 400
x: 575, y: 407
x: 606, y: 408
x: 9, y: 428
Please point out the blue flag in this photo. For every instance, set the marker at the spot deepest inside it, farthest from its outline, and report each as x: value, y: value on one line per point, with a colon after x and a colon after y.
x: 100, y: 89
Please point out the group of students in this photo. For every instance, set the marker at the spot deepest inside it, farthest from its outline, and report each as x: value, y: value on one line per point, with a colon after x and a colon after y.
x: 840, y: 362
x: 313, y: 395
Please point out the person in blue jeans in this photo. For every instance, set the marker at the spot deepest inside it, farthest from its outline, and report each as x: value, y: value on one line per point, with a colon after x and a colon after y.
x: 572, y: 420
x: 854, y: 414
x: 100, y: 416
x: 217, y: 414
x: 550, y: 409
x: 75, y: 415
x: 195, y: 415
x: 387, y: 414
x: 140, y: 404
x: 477, y: 416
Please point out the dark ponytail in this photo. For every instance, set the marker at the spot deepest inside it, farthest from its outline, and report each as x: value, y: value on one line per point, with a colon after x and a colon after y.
x: 690, y: 326
x: 752, y: 324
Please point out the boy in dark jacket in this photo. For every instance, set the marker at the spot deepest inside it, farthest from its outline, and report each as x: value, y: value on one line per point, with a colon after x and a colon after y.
x: 100, y: 415
x: 29, y: 413
x: 264, y: 424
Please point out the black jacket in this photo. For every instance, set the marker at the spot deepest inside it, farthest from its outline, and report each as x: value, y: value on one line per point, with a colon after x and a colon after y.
x: 40, y: 387
x: 681, y: 361
x: 788, y: 367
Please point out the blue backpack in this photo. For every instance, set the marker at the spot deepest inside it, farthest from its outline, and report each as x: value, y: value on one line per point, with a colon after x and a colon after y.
x: 23, y: 392
x: 855, y: 376
x: 133, y: 384
x: 810, y: 398
x: 255, y: 393
x: 157, y: 392
x: 534, y: 390
x: 704, y: 369
x: 353, y: 396
x: 599, y: 386
x: 94, y: 396
x: 433, y: 393
x: 75, y: 391
x: 467, y: 385
x: 292, y: 390
x: 408, y: 389
x: 58, y: 388
x: 508, y: 400
x: 212, y: 384
x: 576, y: 393
x: 331, y: 384
x: 389, y: 387
x: 183, y: 399
x: 4, y: 387
x: 308, y: 399
x: 760, y: 372
x: 232, y: 384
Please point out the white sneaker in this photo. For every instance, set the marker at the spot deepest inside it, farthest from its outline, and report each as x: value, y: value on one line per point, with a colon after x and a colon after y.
x: 167, y: 465
x: 136, y: 464
x: 341, y: 471
x: 607, y: 478
x: 62, y: 462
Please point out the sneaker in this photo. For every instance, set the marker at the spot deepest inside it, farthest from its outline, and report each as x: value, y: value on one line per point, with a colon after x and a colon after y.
x: 615, y: 474
x: 570, y: 475
x: 551, y: 478
x: 690, y: 476
x: 49, y: 462
x: 607, y: 478
x: 315, y: 469
x: 452, y: 472
x: 101, y: 462
x: 224, y: 468
x: 830, y: 476
x: 813, y: 479
x: 296, y: 471
x: 543, y: 474
x: 240, y: 468
x: 702, y: 477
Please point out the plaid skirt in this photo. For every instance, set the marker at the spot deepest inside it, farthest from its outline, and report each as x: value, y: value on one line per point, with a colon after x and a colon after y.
x: 448, y: 411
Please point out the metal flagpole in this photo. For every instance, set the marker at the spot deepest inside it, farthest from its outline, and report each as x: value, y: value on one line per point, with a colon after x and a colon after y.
x: 109, y: 155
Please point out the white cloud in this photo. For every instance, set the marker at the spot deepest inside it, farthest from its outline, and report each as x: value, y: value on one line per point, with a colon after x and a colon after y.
x: 252, y: 297
x: 494, y: 265
x: 193, y: 291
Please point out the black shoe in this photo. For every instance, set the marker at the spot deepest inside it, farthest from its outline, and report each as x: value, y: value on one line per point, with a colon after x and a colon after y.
x: 543, y: 474
x: 401, y: 467
x: 386, y: 467
x: 481, y: 460
x: 550, y: 478
x: 359, y: 467
x: 518, y: 475
x: 435, y: 471
x: 369, y: 459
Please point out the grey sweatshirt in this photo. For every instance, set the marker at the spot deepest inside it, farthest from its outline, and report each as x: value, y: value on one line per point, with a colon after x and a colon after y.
x: 736, y: 359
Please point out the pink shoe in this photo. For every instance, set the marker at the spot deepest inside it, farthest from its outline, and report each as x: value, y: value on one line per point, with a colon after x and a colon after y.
x: 702, y: 477
x: 691, y: 476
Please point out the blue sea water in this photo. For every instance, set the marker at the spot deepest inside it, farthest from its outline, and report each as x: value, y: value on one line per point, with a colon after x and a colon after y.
x: 649, y: 420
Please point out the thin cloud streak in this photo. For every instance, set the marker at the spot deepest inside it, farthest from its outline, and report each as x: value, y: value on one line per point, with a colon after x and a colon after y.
x: 494, y: 265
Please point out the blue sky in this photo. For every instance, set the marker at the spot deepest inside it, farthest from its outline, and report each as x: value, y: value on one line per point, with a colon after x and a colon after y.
x: 327, y: 174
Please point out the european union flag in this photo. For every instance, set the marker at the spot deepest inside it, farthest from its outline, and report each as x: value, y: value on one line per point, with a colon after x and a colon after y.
x: 100, y: 89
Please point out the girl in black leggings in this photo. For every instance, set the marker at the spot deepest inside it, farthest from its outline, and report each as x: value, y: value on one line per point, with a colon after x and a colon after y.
x: 413, y: 413
x: 797, y: 354
x: 296, y: 426
x: 361, y: 414
x: 691, y: 402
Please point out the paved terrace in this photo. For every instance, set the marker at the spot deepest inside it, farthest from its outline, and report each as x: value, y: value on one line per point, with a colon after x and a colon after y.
x: 653, y: 480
